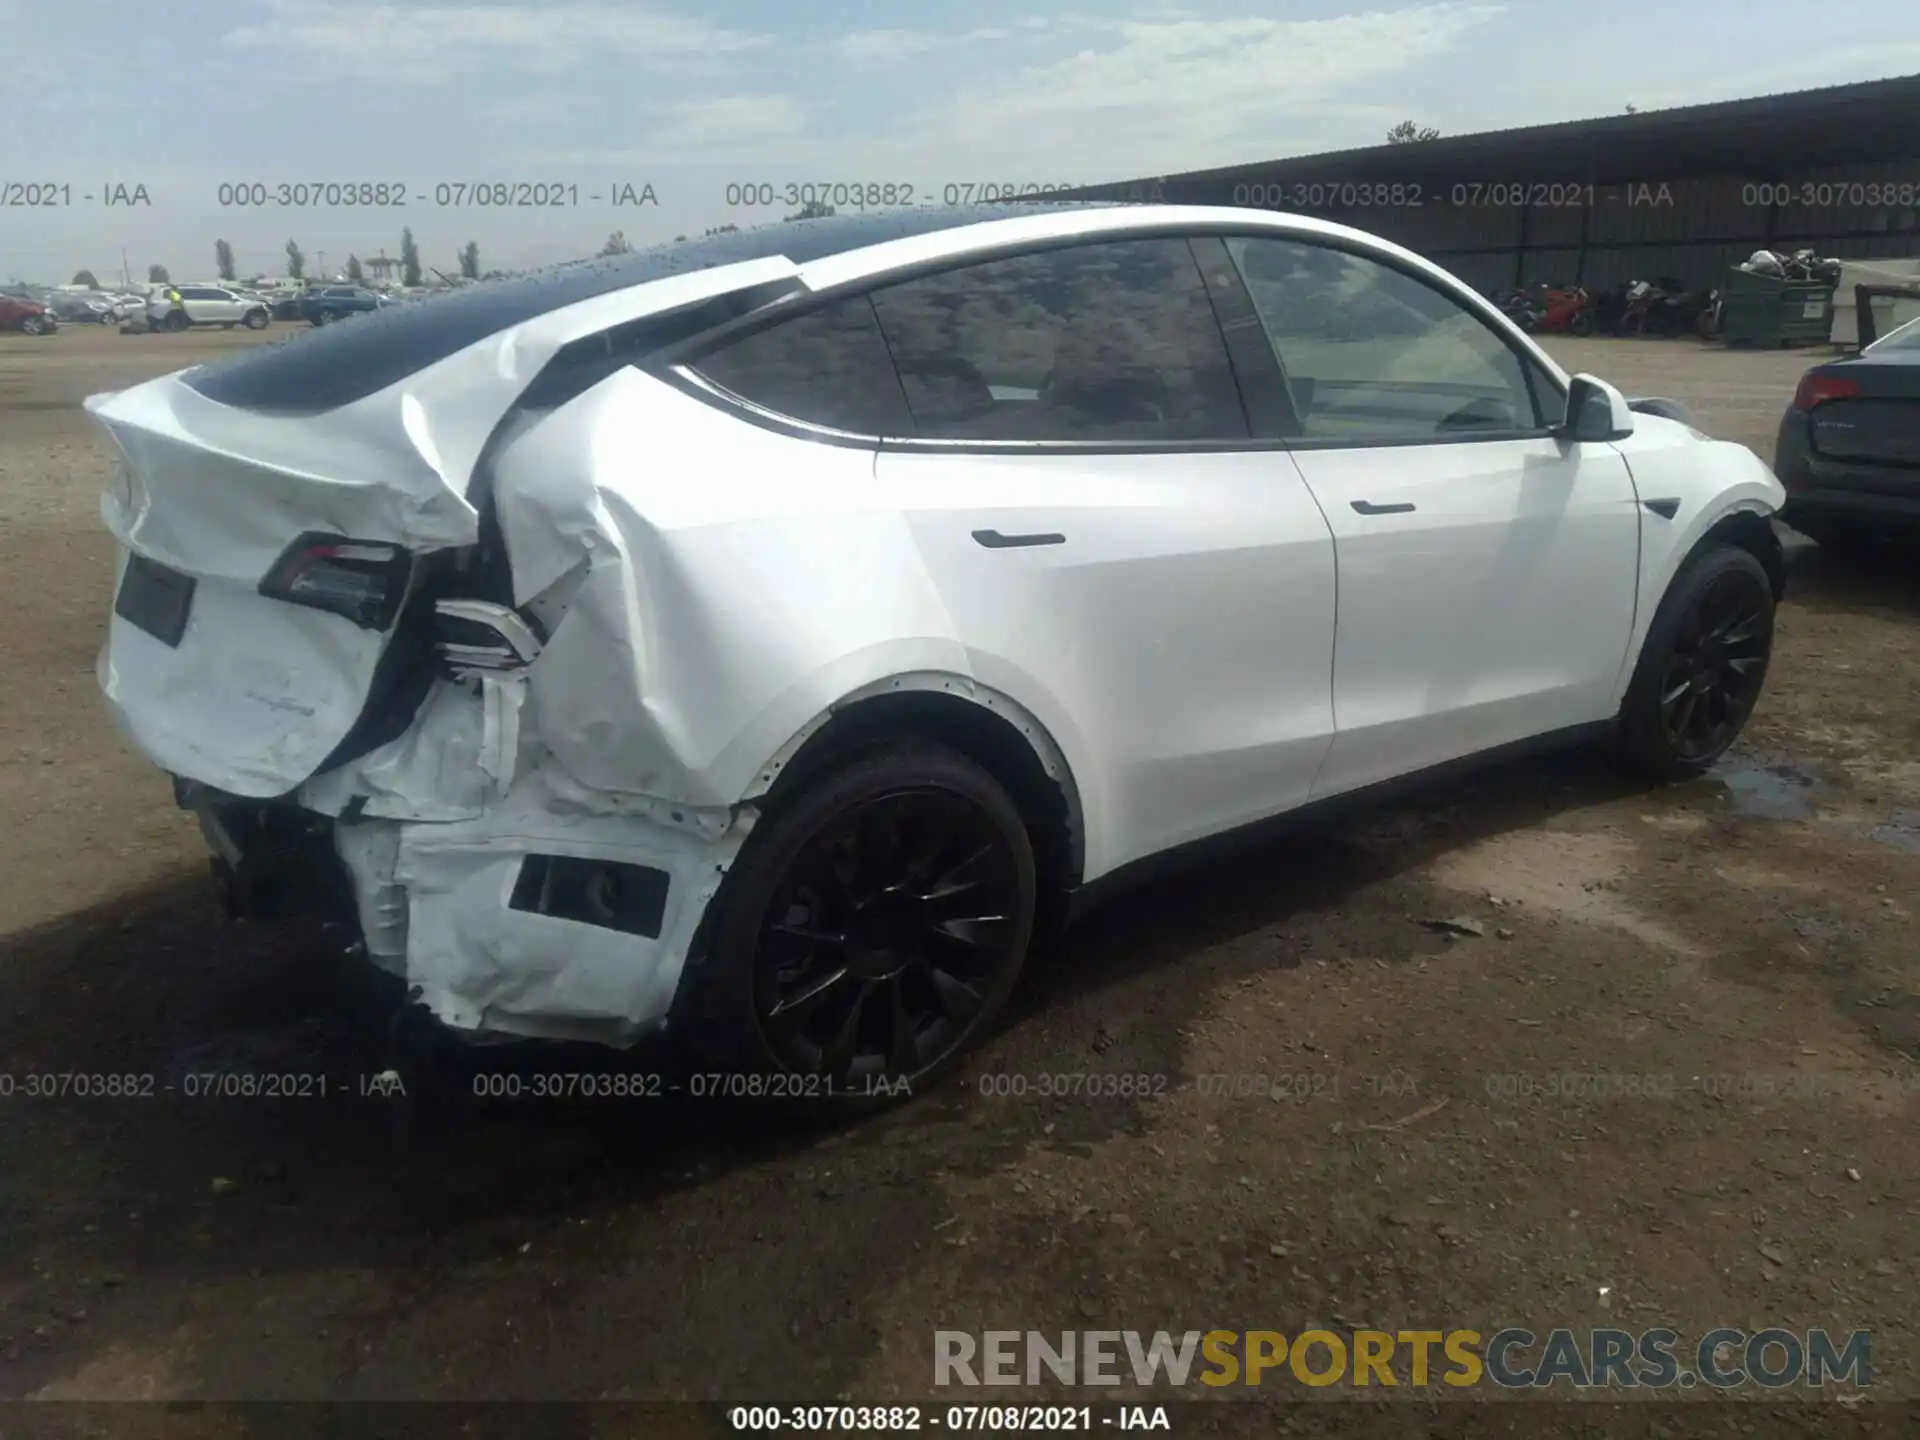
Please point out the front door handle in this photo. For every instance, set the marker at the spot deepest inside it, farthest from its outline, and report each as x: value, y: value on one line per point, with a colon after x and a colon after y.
x: 994, y: 540
x: 1367, y: 507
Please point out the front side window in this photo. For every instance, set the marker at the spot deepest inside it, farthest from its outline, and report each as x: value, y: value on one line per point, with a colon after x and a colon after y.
x: 1114, y: 341
x: 1375, y: 356
x: 827, y: 367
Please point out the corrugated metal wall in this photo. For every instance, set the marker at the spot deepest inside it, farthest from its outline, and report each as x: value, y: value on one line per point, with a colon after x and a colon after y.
x: 1691, y: 229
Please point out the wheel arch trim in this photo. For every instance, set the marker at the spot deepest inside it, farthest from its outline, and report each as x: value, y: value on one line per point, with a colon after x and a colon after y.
x: 1737, y: 511
x: 1045, y: 750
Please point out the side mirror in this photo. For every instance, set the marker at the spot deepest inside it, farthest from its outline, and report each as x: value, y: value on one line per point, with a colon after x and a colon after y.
x: 1595, y: 411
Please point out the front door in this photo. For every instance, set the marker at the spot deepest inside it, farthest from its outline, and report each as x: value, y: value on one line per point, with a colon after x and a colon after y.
x: 1487, y: 568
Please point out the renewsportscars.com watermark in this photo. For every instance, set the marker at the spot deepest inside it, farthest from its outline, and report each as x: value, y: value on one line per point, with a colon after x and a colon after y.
x: 1509, y: 1359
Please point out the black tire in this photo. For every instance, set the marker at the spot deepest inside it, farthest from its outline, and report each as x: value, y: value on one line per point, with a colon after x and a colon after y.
x: 256, y: 320
x: 1581, y: 324
x: 319, y: 319
x: 881, y: 997
x: 1702, y: 667
x: 34, y: 325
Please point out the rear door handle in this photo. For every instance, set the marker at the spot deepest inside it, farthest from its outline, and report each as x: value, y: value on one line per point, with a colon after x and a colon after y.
x: 1367, y: 507
x: 994, y: 540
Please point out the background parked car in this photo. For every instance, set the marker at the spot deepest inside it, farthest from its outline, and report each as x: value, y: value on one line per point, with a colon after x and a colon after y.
x: 82, y: 307
x: 1849, y: 445
x: 18, y: 312
x: 204, y: 305
x: 336, y: 302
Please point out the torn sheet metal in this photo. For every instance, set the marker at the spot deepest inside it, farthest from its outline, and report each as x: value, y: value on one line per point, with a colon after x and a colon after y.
x: 683, y: 662
x: 481, y: 965
x: 258, y: 692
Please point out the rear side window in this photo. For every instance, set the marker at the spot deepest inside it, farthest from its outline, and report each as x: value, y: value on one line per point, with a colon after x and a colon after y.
x: 1113, y: 341
x: 826, y: 367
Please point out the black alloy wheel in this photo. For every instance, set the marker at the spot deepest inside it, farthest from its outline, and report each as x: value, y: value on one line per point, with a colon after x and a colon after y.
x: 1702, y: 666
x: 1714, y: 667
x: 870, y: 931
x: 887, y: 936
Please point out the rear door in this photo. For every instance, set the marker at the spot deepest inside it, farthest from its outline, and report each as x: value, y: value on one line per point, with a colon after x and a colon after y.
x: 1113, y: 547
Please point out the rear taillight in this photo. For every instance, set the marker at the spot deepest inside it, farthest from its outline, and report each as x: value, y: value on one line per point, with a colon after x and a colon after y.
x: 364, y: 580
x: 1817, y: 389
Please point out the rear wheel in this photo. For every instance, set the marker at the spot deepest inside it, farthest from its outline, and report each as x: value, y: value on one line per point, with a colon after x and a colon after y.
x: 1581, y: 324
x: 1702, y: 666
x: 870, y: 932
x: 256, y: 320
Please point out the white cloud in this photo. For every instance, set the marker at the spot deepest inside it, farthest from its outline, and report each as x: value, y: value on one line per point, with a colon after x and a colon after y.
x: 434, y: 42
x: 1146, y: 97
x: 693, y: 125
x: 882, y: 47
x: 889, y: 47
x: 1183, y: 94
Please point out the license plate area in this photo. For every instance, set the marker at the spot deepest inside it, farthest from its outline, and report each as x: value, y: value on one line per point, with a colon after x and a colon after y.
x: 155, y: 598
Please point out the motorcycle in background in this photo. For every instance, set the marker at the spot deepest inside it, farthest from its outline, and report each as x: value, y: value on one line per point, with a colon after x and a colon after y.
x: 1522, y: 308
x: 1567, y: 310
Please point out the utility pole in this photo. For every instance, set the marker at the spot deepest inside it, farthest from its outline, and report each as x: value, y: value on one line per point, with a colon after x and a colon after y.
x: 126, y: 275
x: 320, y: 263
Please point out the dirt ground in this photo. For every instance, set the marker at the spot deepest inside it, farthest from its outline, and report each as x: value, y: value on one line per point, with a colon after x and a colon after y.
x: 1741, y: 946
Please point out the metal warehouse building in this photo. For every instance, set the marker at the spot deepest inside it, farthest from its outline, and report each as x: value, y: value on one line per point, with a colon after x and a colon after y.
x: 1686, y: 192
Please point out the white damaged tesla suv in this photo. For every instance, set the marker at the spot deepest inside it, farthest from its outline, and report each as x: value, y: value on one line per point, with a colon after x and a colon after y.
x: 757, y: 637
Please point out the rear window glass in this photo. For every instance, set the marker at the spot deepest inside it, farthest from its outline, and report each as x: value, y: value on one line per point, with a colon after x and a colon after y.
x: 334, y: 367
x: 828, y: 367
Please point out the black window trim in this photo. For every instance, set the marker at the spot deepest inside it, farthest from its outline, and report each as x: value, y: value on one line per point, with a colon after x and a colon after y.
x: 676, y: 364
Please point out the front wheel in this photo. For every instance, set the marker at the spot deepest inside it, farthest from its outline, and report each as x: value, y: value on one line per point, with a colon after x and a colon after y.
x: 1702, y: 666
x: 870, y: 931
x: 34, y: 325
x: 256, y: 320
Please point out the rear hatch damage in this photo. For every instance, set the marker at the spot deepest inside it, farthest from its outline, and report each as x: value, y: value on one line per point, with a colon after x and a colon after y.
x: 314, y: 615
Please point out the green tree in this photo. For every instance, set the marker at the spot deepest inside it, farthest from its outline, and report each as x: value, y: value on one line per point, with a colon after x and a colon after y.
x: 355, y: 275
x: 470, y: 260
x: 409, y: 259
x: 157, y: 275
x: 1633, y: 109
x: 1408, y: 133
x: 85, y: 277
x: 727, y: 229
x: 617, y: 244
x: 812, y: 210
x: 223, y: 259
x: 296, y: 262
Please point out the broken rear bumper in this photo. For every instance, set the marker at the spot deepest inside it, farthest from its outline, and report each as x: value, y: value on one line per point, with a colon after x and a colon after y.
x: 534, y: 918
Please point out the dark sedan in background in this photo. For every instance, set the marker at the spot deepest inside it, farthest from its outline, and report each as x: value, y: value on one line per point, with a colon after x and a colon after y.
x: 1849, y: 445
x: 336, y: 302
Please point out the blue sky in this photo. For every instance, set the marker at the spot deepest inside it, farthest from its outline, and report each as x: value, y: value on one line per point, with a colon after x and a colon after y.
x: 690, y: 97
